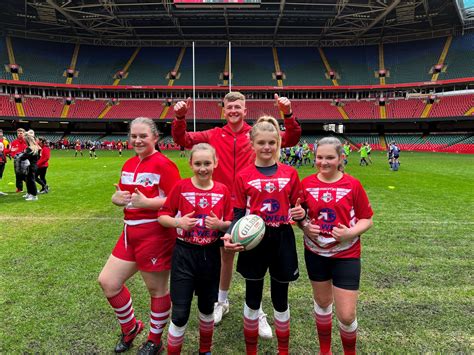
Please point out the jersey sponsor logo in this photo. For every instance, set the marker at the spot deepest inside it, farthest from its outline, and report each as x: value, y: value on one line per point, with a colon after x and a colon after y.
x: 143, y: 179
x: 154, y: 260
x: 327, y: 215
x: 270, y: 206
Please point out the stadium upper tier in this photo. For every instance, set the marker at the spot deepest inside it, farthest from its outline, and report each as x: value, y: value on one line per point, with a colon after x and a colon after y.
x: 41, y: 61
x: 447, y: 106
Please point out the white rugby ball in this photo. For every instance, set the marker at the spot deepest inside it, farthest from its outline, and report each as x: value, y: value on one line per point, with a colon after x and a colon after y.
x: 248, y: 231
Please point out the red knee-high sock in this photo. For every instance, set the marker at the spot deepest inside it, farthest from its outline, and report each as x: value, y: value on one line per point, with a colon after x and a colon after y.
x: 122, y: 305
x: 282, y: 330
x: 323, y: 319
x: 348, y: 337
x: 251, y: 330
x: 175, y: 339
x: 159, y: 315
x: 206, y: 330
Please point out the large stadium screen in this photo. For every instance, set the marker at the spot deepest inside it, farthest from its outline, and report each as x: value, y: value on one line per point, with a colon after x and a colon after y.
x: 216, y: 3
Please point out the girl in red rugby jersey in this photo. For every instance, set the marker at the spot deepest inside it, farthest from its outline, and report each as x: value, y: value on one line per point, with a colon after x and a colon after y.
x: 144, y: 245
x: 338, y: 213
x: 201, y: 210
x: 272, y: 191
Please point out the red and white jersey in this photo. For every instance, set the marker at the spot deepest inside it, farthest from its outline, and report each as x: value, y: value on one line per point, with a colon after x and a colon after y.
x: 154, y: 176
x: 119, y: 145
x: 78, y: 146
x: 270, y: 197
x: 186, y: 198
x: 329, y: 204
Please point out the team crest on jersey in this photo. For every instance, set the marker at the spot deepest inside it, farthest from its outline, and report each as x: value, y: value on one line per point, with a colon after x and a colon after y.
x: 154, y: 260
x: 270, y: 206
x: 203, y: 202
x: 269, y: 184
x: 327, y: 215
x: 269, y: 187
x: 326, y: 197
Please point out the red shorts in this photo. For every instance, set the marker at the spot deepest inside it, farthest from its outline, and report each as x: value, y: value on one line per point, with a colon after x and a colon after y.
x: 149, y: 245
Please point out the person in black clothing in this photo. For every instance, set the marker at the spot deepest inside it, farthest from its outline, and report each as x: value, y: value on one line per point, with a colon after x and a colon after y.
x: 32, y: 154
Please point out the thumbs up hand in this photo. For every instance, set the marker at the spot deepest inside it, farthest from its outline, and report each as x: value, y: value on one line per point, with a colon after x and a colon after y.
x: 187, y: 222
x: 342, y: 233
x: 312, y: 230
x: 284, y: 104
x: 181, y: 108
x: 139, y: 199
x: 121, y: 198
x: 297, y: 212
x: 212, y: 221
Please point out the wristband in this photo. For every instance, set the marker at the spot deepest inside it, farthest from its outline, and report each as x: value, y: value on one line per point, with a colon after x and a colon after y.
x: 288, y: 115
x: 176, y: 222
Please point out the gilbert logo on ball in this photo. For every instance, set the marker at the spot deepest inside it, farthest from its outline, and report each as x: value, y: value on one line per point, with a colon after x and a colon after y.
x: 248, y: 231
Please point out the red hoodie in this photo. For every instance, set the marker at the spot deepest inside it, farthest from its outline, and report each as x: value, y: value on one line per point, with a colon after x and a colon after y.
x: 234, y: 150
x: 17, y: 146
x: 45, y: 155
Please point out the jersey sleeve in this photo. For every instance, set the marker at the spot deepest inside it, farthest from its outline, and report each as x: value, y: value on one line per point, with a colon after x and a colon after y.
x: 240, y: 199
x: 362, y: 207
x: 228, y: 213
x: 172, y: 177
x: 187, y: 139
x: 171, y: 205
x: 296, y: 189
x: 292, y: 134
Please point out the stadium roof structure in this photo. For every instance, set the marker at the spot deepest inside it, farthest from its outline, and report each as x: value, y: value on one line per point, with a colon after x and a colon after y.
x: 265, y: 23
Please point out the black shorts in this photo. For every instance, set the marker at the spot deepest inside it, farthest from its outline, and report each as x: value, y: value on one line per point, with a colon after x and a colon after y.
x: 276, y: 251
x: 344, y: 272
x: 195, y: 270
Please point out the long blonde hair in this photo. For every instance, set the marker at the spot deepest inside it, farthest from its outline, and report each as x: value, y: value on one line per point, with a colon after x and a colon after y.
x: 267, y: 124
x: 31, y: 142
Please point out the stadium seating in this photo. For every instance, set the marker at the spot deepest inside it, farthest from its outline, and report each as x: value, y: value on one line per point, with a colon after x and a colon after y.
x: 401, y: 108
x: 460, y: 58
x: 83, y: 138
x: 210, y: 62
x: 354, y: 65
x: 135, y: 108
x: 412, y: 61
x: 307, y: 109
x: 362, y: 109
x: 40, y: 107
x: 7, y: 106
x: 151, y: 66
x: 302, y: 66
x: 449, y: 106
x: 4, y: 60
x: 252, y: 66
x: 42, y: 61
x: 98, y: 65
x: 83, y: 108
x: 205, y: 109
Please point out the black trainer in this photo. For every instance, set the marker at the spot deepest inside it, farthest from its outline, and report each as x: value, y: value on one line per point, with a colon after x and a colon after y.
x: 150, y: 348
x: 126, y: 340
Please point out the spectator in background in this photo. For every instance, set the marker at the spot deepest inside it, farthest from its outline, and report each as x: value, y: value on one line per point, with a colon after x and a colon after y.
x: 6, y: 143
x: 16, y: 147
x: 40, y: 176
x: 32, y: 154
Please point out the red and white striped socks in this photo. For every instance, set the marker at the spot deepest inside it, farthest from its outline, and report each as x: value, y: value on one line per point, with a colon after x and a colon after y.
x: 282, y: 330
x: 348, y: 337
x: 175, y: 338
x: 159, y: 315
x: 323, y: 319
x: 206, y: 330
x: 251, y: 329
x: 122, y: 305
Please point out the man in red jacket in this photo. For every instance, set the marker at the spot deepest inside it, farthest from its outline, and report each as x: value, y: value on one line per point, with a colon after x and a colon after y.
x: 16, y: 147
x: 234, y: 151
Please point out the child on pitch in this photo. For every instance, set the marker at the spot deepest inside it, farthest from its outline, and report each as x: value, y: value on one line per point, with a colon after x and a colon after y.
x: 78, y: 148
x: 200, y: 208
x: 272, y: 191
x: 144, y: 245
x: 347, y: 152
x: 338, y: 213
x: 363, y: 155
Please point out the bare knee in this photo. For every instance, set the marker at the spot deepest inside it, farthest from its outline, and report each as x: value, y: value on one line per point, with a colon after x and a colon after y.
x: 322, y: 301
x: 110, y: 286
x: 346, y: 317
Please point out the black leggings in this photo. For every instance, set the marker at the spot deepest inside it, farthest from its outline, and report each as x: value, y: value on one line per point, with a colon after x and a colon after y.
x: 40, y: 176
x: 30, y: 181
x: 278, y: 290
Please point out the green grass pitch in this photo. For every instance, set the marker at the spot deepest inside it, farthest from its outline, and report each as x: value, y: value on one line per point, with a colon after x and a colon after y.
x: 417, y: 276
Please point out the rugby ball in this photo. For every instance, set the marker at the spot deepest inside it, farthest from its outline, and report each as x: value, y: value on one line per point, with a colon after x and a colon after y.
x: 248, y: 231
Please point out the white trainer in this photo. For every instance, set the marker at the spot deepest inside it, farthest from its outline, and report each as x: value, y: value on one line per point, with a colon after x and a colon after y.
x: 264, y: 329
x: 3, y: 193
x: 220, y: 310
x: 26, y: 195
x: 31, y: 198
